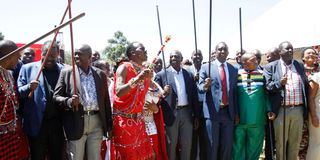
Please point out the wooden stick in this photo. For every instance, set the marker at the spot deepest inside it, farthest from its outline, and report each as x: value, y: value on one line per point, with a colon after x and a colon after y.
x: 48, y: 52
x: 72, y: 51
x: 210, y: 19
x: 164, y: 62
x: 43, y: 36
x: 194, y: 27
x: 240, y: 24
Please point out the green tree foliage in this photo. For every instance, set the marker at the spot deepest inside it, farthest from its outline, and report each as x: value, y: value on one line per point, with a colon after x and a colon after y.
x: 116, y: 47
x: 1, y: 36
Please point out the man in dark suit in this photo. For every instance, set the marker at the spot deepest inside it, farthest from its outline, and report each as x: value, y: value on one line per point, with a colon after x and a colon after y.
x: 287, y: 84
x: 219, y: 103
x: 180, y: 106
x: 86, y: 108
x: 42, y: 120
x: 198, y: 143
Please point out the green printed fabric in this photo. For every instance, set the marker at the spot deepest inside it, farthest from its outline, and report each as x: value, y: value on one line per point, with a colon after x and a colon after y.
x: 253, y: 101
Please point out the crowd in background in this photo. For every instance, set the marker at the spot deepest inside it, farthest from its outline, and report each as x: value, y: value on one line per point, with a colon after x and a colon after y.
x: 188, y: 109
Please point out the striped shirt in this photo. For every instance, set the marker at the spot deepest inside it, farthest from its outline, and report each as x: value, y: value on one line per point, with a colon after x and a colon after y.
x: 253, y: 101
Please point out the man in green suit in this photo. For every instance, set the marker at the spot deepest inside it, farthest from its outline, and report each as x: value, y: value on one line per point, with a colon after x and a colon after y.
x: 253, y: 106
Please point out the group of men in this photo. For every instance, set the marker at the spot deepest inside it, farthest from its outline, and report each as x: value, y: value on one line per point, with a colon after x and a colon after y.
x: 61, y: 105
x: 235, y: 107
x: 223, y: 107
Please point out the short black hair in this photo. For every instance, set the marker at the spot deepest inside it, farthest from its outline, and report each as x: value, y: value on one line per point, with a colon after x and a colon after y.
x: 281, y: 44
x: 131, y: 48
x: 99, y: 63
x: 46, y: 45
x: 224, y: 43
x: 7, y: 46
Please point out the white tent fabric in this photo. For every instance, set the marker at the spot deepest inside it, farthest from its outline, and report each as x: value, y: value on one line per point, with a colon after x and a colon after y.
x: 296, y: 21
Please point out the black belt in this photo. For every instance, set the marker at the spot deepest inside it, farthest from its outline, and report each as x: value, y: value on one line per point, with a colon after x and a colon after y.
x: 292, y: 106
x: 224, y: 106
x: 181, y: 107
x: 89, y: 113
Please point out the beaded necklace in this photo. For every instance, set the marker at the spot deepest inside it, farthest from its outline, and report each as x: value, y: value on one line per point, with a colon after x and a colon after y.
x: 6, y: 85
x: 137, y: 67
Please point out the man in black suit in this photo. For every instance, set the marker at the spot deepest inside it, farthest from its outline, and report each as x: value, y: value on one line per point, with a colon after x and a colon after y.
x: 87, y: 112
x: 180, y: 106
x: 287, y: 84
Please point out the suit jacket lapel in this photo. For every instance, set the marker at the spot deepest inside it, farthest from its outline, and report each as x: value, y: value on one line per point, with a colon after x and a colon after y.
x: 230, y: 71
x: 300, y: 73
x: 279, y: 69
x: 171, y: 80
x: 185, y: 77
x: 98, y: 85
x: 78, y: 85
x: 215, y: 71
x: 41, y: 80
x: 297, y: 67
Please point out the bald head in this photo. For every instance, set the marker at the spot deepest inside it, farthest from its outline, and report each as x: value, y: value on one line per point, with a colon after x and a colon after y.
x: 176, y: 59
x: 84, y: 49
x: 273, y: 54
x: 258, y: 55
x: 249, y: 61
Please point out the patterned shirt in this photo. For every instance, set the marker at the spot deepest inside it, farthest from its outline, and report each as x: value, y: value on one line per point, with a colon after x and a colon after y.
x: 253, y: 101
x: 89, y: 93
x: 294, y: 95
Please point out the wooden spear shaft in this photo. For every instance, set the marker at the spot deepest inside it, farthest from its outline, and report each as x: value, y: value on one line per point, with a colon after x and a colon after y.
x: 43, y: 36
x: 72, y: 51
x: 210, y: 19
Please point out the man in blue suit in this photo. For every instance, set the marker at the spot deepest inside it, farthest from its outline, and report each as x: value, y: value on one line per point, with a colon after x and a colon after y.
x: 42, y: 121
x: 219, y: 103
x: 180, y: 106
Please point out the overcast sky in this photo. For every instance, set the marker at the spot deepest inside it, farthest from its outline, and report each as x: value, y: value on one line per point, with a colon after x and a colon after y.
x: 24, y: 20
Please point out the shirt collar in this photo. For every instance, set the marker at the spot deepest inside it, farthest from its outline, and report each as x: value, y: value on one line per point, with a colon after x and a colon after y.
x: 283, y: 64
x: 175, y: 71
x: 219, y: 63
x: 81, y: 72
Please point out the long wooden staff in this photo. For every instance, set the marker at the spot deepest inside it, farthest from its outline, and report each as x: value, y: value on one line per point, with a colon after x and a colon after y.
x: 43, y: 36
x: 284, y: 149
x: 48, y: 52
x: 194, y: 27
x: 271, y: 138
x: 162, y: 46
x: 240, y: 24
x: 210, y: 19
x: 72, y: 51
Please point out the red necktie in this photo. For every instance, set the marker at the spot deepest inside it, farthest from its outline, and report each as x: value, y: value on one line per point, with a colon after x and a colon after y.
x: 223, y: 78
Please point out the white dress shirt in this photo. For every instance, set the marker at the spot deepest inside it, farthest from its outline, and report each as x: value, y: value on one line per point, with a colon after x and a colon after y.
x: 227, y: 73
x: 180, y: 85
